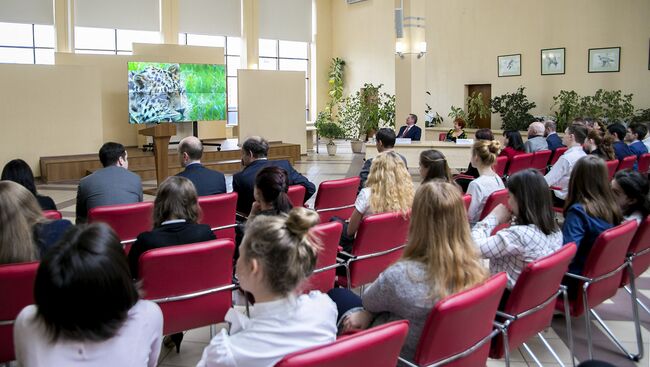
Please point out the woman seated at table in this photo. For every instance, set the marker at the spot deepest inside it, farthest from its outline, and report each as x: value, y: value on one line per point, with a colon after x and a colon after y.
x: 457, y: 132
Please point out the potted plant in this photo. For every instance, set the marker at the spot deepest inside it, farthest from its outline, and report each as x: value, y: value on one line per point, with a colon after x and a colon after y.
x: 476, y: 108
x: 514, y: 110
x: 457, y: 113
x: 336, y: 83
x: 567, y: 108
x: 328, y: 130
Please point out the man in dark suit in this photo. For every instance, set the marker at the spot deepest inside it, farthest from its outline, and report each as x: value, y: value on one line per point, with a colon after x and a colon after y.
x: 410, y: 131
x: 552, y: 139
x: 254, y: 153
x: 113, y: 184
x: 618, y: 132
x: 206, y: 181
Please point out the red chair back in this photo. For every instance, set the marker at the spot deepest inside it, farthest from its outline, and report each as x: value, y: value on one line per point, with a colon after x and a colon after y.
x: 448, y: 330
x: 557, y: 154
x: 336, y: 194
x: 540, y: 160
x: 219, y: 212
x: 17, y: 288
x: 520, y: 162
x: 626, y: 163
x: 378, y: 347
x: 467, y: 201
x: 639, y: 245
x: 442, y: 136
x: 127, y: 220
x: 607, y: 253
x: 500, y: 165
x: 611, y: 168
x: 538, y: 283
x: 329, y: 235
x: 377, y: 233
x: 644, y: 163
x: 297, y: 195
x: 52, y: 214
x: 178, y: 271
x: 496, y: 198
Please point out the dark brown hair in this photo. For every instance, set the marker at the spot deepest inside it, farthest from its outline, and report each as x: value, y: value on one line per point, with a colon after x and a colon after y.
x: 604, y: 143
x: 273, y: 184
x: 534, y: 200
x: 176, y: 199
x: 436, y: 165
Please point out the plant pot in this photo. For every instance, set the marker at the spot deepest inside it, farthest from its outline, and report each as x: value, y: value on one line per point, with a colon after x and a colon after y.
x: 357, y: 146
x: 331, y: 148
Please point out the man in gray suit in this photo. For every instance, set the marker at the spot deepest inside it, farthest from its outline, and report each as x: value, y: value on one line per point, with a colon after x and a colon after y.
x: 113, y: 184
x: 536, y: 140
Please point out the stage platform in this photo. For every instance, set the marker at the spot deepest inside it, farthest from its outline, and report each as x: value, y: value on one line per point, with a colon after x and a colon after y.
x: 74, y: 167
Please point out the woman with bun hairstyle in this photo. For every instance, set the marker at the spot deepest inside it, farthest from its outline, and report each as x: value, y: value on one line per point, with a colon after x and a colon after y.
x: 600, y: 145
x: 270, y: 192
x: 484, y: 156
x: 276, y: 255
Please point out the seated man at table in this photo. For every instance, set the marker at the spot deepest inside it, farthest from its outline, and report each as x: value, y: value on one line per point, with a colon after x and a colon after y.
x: 385, y: 141
x: 410, y: 131
x: 254, y: 153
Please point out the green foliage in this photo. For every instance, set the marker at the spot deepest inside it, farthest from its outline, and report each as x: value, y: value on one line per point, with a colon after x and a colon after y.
x: 457, y: 113
x: 349, y: 111
x: 514, y: 110
x: 326, y: 128
x: 368, y: 109
x: 611, y: 106
x: 336, y: 82
x: 642, y: 115
x: 476, y: 108
x: 567, y: 108
x: 140, y: 66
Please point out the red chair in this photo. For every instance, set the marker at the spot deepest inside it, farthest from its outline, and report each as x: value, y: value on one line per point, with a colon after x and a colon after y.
x: 530, y: 306
x: 644, y: 163
x: 500, y: 166
x: 219, y: 212
x: 336, y: 198
x: 611, y: 168
x: 496, y: 198
x: 52, y: 214
x: 638, y: 257
x: 378, y: 347
x: 467, y: 201
x: 519, y: 163
x: 323, y: 277
x: 600, y: 280
x: 626, y: 163
x: 17, y: 288
x: 442, y: 136
x: 127, y: 220
x: 191, y: 283
x: 540, y: 160
x: 297, y: 195
x: 557, y: 154
x: 379, y: 242
x: 459, y: 328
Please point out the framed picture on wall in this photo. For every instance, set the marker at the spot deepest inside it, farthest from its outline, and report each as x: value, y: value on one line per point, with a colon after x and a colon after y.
x: 553, y: 60
x: 509, y: 65
x: 605, y: 60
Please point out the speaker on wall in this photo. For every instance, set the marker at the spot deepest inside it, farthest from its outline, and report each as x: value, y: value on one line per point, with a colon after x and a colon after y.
x: 399, y: 23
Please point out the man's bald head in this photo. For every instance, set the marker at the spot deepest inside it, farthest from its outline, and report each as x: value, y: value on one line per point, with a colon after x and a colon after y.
x: 192, y: 146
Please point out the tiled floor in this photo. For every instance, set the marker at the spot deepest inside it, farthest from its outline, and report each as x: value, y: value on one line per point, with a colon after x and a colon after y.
x: 321, y: 167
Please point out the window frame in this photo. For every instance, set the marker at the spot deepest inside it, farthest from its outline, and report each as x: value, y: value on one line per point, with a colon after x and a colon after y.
x: 33, y: 46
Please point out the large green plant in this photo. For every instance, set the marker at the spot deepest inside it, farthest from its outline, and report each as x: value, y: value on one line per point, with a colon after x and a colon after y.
x: 336, y: 82
x: 566, y: 106
x: 642, y: 115
x: 457, y: 113
x: 327, y: 128
x: 476, y: 109
x: 514, y: 110
x: 366, y: 110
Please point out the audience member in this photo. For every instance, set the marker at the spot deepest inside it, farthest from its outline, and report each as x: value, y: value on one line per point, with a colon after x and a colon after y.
x: 646, y: 141
x: 277, y: 254
x: 513, y: 144
x: 87, y: 309
x: 19, y: 171
x: 113, y: 184
x: 205, y: 180
x: 552, y: 138
x: 385, y: 142
x: 457, y: 132
x: 410, y: 131
x: 254, y: 153
x: 533, y: 233
x: 617, y: 132
x: 389, y: 189
x: 433, y: 166
x: 25, y: 235
x: 600, y: 145
x: 481, y: 134
x: 560, y: 173
x: 630, y: 190
x: 536, y: 140
x: 635, y: 133
x: 435, y: 264
x: 484, y: 155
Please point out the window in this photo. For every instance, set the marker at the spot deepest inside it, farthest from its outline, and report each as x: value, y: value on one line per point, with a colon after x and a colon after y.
x: 232, y: 45
x: 26, y: 43
x: 286, y: 55
x: 111, y: 41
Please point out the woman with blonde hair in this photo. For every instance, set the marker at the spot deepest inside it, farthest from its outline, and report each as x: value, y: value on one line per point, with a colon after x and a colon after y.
x: 484, y: 156
x: 435, y: 264
x: 389, y: 189
x: 25, y: 235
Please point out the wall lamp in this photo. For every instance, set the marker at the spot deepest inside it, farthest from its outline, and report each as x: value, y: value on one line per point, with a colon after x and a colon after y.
x: 400, y: 49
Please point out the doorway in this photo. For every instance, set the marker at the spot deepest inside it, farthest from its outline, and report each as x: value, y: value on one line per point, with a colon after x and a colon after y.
x: 486, y: 90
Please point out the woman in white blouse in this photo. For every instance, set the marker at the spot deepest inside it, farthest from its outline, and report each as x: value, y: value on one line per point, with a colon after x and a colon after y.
x: 533, y: 233
x: 87, y: 311
x: 276, y: 255
x: 484, y: 156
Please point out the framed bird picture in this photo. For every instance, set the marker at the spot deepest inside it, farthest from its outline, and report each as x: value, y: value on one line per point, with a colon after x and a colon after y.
x: 605, y: 60
x: 553, y: 61
x: 509, y: 65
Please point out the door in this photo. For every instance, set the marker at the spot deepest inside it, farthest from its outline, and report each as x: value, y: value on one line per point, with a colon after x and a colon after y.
x: 486, y: 90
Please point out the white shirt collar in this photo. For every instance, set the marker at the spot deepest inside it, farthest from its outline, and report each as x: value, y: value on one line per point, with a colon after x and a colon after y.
x: 277, y: 307
x: 173, y: 221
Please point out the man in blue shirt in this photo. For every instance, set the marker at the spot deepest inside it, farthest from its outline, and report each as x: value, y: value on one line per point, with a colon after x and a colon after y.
x: 618, y: 132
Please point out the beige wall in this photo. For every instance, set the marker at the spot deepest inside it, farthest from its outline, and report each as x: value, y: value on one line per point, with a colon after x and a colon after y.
x: 321, y: 56
x: 47, y: 111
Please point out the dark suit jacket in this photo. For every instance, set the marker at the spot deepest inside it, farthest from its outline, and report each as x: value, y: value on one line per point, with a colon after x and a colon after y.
x: 167, y: 235
x: 243, y: 182
x: 415, y: 133
x: 206, y: 181
x: 554, y: 141
x: 47, y: 234
x: 621, y: 150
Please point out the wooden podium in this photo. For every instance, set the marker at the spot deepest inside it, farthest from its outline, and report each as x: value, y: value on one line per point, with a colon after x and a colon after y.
x: 161, y: 134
